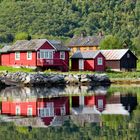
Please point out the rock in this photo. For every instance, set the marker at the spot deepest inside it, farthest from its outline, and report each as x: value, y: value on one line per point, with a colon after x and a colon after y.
x: 71, y: 79
x: 27, y: 80
x: 39, y: 79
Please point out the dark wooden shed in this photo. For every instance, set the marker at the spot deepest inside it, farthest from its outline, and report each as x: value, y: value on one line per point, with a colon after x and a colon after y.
x: 120, y: 59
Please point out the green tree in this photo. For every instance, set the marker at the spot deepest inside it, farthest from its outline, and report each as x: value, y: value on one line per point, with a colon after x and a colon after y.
x: 111, y: 42
x: 22, y: 36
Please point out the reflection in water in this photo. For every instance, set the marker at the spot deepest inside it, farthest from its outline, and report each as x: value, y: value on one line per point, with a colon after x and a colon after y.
x: 42, y: 107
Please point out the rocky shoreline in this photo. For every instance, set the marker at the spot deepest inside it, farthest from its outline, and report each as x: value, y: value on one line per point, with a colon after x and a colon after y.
x: 41, y: 79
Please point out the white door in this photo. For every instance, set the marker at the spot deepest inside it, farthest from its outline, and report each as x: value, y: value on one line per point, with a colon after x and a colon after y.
x: 81, y: 64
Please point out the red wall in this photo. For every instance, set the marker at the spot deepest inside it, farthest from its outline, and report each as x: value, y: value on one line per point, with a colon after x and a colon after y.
x: 99, y: 67
x: 89, y: 65
x: 58, y: 103
x: 9, y: 59
x: 10, y: 108
x: 89, y: 100
x: 56, y: 54
x: 5, y: 59
x: 103, y: 98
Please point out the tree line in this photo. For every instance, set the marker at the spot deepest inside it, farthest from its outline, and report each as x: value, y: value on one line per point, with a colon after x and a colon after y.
x: 63, y: 19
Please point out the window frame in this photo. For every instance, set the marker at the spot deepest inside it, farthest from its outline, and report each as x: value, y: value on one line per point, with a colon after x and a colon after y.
x: 62, y: 54
x: 29, y: 52
x: 17, y: 55
x: 46, y: 54
x: 99, y: 61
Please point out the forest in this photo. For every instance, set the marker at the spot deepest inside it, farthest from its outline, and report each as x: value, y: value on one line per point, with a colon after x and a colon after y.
x: 62, y: 19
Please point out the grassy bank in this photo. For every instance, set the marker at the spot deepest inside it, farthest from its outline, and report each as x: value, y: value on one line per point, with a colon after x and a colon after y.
x: 111, y: 74
x: 11, y: 69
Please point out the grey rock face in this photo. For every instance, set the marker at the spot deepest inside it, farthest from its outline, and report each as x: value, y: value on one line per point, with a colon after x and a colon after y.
x: 39, y: 79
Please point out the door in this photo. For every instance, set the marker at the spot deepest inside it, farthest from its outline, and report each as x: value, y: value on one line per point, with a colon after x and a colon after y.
x: 81, y: 64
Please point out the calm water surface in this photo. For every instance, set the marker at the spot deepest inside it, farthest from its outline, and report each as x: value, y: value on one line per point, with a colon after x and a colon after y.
x: 71, y: 112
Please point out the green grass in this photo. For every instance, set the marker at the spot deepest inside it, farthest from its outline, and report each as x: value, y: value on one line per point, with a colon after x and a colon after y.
x: 111, y: 74
x: 11, y: 69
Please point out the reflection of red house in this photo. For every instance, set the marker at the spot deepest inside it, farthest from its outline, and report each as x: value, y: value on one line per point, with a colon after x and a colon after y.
x: 49, y: 109
x: 89, y: 101
x: 23, y: 108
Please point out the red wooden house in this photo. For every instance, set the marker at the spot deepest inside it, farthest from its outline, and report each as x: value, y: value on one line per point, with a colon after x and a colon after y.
x: 36, y: 53
x: 89, y: 60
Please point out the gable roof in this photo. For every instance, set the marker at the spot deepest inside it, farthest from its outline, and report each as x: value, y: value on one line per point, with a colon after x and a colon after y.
x: 4, y: 49
x: 115, y: 54
x: 58, y: 45
x: 85, y: 41
x: 34, y: 44
x: 85, y: 55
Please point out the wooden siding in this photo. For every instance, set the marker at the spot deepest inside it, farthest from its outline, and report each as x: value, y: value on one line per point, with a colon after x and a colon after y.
x: 82, y: 48
x: 9, y: 59
x: 128, y: 63
x: 113, y: 64
x: 5, y: 59
x: 89, y: 65
x: 9, y: 107
x: 99, y: 67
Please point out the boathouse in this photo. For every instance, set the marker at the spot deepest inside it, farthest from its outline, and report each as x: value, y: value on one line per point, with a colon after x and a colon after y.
x: 89, y: 60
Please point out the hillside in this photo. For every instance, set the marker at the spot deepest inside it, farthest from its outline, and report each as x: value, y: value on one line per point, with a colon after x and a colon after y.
x: 57, y: 18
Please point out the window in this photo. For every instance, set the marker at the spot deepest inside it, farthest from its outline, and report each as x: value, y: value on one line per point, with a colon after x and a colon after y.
x: 29, y: 55
x: 62, y: 55
x: 17, y: 110
x: 128, y: 55
x: 17, y: 55
x: 63, y: 110
x: 100, y: 61
x: 46, y: 54
x: 29, y: 111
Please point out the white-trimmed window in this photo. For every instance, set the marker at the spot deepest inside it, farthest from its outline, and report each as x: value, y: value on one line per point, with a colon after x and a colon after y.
x: 62, y: 55
x: 17, y: 55
x: 46, y: 54
x: 99, y: 61
x: 17, y: 111
x: 29, y: 55
x: 29, y: 111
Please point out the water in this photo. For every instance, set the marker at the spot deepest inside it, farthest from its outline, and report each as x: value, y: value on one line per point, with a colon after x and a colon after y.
x: 71, y: 112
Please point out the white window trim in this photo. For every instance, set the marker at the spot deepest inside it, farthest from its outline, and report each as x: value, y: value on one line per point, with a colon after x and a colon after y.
x: 99, y: 61
x: 62, y: 54
x: 46, y: 112
x: 48, y: 51
x: 16, y: 55
x: 28, y: 111
x: 29, y: 58
x: 19, y: 111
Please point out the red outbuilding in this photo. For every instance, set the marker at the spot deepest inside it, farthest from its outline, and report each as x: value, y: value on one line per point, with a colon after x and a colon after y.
x: 36, y: 53
x: 90, y: 60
